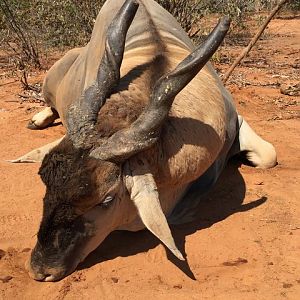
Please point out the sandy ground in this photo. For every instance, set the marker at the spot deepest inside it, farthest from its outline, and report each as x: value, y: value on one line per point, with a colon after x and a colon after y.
x: 245, y: 243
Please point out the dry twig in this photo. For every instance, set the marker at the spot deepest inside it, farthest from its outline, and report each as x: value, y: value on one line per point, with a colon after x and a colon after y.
x: 254, y: 39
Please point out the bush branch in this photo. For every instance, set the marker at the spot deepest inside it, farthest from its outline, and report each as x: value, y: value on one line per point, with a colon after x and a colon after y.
x: 254, y: 40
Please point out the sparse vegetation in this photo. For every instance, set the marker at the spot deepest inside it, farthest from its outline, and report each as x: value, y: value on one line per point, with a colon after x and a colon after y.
x: 22, y: 42
x: 29, y: 27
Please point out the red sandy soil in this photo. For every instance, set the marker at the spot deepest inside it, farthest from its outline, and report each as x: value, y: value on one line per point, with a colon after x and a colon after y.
x: 245, y: 243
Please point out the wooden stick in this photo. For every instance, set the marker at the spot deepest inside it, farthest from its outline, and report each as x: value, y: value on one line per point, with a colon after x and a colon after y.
x: 254, y: 39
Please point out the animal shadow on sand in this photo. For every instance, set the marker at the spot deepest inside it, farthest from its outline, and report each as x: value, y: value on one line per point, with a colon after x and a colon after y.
x: 223, y: 200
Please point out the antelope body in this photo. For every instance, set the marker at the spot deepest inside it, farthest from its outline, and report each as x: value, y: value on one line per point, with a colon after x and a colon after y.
x: 146, y: 116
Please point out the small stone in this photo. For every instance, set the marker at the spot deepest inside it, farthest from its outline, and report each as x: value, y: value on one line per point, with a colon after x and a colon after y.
x: 177, y: 286
x: 259, y: 183
x: 115, y: 280
x: 236, y: 262
x: 287, y: 285
x: 26, y: 250
x: 5, y: 279
x: 2, y: 253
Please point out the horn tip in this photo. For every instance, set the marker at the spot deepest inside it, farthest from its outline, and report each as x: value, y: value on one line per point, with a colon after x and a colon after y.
x: 132, y: 4
x: 225, y: 21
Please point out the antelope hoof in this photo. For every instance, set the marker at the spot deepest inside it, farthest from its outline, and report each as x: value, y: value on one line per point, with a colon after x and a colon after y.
x: 31, y: 125
x: 43, y: 119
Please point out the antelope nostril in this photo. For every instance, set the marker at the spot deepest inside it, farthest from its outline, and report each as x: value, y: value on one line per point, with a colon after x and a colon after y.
x: 44, y: 277
x: 50, y: 278
x: 38, y: 276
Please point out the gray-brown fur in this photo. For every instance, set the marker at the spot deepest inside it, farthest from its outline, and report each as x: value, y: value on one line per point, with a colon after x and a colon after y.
x: 159, y: 126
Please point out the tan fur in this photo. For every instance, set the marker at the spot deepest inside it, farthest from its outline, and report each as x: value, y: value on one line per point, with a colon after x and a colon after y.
x: 51, y: 85
x: 259, y: 151
x: 200, y: 118
x: 38, y: 154
x: 201, y: 132
x: 145, y: 195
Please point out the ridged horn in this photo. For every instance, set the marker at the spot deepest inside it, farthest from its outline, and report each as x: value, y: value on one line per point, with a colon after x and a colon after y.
x: 144, y: 132
x: 82, y: 115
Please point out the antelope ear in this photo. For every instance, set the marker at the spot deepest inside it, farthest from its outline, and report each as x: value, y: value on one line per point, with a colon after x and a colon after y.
x: 144, y: 194
x: 36, y: 155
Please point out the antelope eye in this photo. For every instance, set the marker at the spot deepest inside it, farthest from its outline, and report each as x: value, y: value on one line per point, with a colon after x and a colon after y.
x: 107, y: 201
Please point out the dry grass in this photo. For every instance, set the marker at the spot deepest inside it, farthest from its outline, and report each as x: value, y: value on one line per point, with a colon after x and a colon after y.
x: 28, y: 28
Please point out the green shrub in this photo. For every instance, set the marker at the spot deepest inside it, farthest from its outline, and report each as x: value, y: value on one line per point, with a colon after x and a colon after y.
x: 29, y: 25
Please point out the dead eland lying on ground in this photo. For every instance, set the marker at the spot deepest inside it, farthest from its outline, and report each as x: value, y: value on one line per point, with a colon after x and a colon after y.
x: 146, y: 116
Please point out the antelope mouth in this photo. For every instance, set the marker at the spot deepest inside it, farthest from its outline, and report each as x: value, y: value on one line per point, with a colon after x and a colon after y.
x: 48, y: 274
